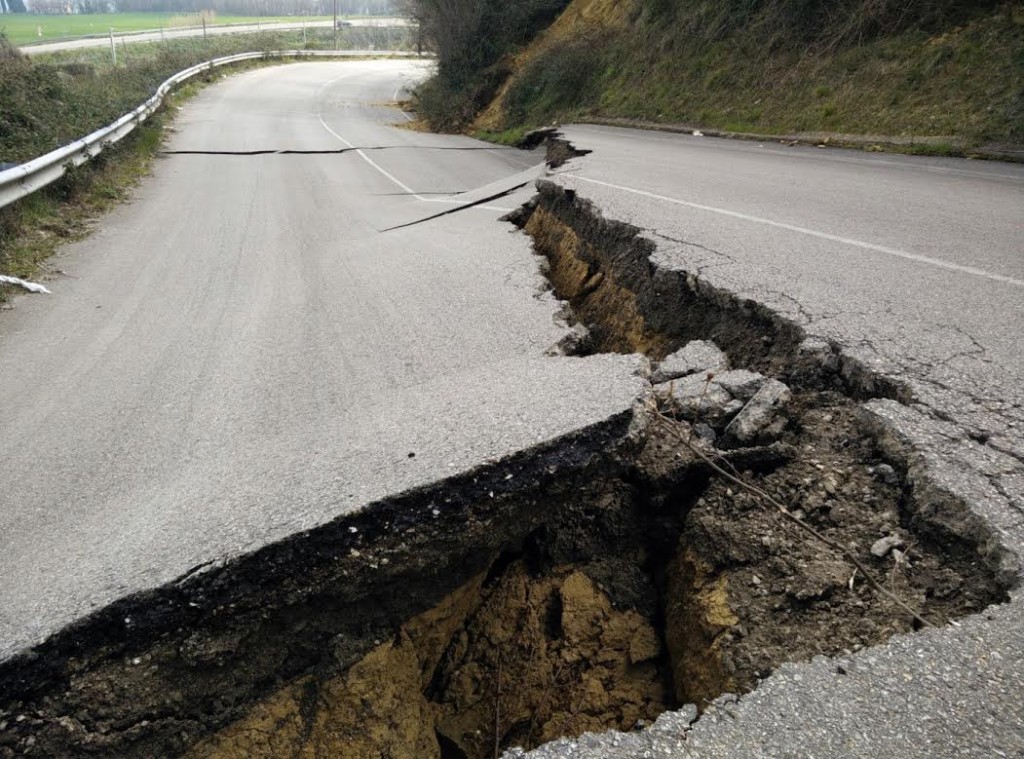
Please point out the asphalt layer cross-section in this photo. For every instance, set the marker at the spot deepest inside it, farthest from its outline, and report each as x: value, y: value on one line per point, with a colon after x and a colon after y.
x: 239, y: 353
x: 915, y: 268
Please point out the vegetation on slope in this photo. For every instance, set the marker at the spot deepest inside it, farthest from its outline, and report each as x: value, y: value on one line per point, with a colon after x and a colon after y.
x: 948, y: 69
x: 472, y: 39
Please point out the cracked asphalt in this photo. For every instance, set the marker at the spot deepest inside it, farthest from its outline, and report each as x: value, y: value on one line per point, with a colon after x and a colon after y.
x: 912, y: 267
x: 239, y: 353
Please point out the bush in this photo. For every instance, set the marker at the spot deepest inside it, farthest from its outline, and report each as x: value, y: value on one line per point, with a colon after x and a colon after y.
x: 471, y: 37
x: 45, y: 104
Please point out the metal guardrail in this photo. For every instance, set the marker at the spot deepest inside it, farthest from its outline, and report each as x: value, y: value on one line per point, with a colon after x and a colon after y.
x: 22, y: 180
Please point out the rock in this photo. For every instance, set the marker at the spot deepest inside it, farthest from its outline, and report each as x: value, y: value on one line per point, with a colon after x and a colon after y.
x: 705, y: 432
x: 882, y: 546
x: 819, y: 351
x: 696, y: 356
x: 762, y: 418
x: 696, y: 400
x: 886, y: 474
x: 741, y: 383
x: 732, y: 408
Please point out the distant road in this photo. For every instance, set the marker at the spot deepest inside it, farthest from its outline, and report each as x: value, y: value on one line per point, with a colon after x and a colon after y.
x: 157, y: 35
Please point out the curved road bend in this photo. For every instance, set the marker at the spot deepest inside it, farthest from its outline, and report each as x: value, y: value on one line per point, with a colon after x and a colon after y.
x: 238, y: 353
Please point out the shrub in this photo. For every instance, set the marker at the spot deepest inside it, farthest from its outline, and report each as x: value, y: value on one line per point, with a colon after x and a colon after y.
x: 470, y: 38
x: 562, y: 79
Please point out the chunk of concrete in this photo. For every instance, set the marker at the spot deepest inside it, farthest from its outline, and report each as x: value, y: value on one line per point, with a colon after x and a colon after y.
x: 696, y: 356
x: 762, y: 419
x: 743, y: 384
x: 695, y: 399
x: 574, y: 343
x: 882, y: 546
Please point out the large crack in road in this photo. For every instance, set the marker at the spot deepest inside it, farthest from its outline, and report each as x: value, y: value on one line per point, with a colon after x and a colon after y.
x: 588, y: 584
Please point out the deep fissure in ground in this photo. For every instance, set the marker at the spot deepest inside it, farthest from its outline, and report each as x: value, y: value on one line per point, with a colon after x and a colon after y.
x: 585, y: 585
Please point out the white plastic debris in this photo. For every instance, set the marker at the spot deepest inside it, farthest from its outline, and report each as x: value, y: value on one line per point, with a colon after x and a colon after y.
x: 32, y: 287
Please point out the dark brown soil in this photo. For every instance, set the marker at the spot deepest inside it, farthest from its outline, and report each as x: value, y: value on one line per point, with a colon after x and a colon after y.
x: 791, y: 596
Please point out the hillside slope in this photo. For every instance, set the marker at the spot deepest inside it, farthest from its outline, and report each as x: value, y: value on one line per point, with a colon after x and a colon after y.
x: 944, y: 73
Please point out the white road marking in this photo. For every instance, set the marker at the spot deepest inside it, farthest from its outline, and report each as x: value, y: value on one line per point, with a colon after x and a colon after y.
x: 395, y: 98
x: 916, y: 257
x: 384, y: 171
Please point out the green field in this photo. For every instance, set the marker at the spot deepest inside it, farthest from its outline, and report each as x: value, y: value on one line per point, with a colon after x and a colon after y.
x: 22, y: 28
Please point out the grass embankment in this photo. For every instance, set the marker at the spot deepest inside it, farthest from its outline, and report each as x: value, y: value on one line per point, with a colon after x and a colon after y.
x: 948, y: 71
x: 48, y: 101
x: 22, y: 28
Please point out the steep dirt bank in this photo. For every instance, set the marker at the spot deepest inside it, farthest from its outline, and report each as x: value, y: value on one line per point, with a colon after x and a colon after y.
x: 933, y: 84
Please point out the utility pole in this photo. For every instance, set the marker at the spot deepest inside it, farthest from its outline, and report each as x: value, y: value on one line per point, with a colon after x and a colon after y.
x: 113, y: 47
x: 335, y: 25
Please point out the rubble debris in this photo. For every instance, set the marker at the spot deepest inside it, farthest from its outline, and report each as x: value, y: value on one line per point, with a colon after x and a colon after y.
x: 575, y: 342
x: 32, y: 287
x: 762, y: 419
x: 697, y: 398
x: 881, y: 547
x: 697, y: 356
x: 743, y: 384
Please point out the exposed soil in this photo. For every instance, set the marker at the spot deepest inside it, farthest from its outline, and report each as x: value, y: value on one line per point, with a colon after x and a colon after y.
x: 776, y: 594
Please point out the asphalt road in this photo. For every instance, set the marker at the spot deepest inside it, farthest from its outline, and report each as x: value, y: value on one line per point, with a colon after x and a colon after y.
x: 912, y: 256
x: 212, y: 30
x: 240, y: 353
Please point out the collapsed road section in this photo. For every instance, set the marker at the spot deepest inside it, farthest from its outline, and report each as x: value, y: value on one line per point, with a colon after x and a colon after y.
x: 746, y: 513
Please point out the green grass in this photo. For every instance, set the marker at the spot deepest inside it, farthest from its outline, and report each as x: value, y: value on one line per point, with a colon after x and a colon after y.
x: 22, y: 28
x: 511, y: 137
